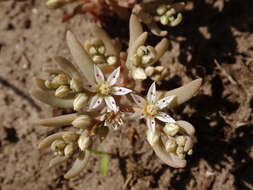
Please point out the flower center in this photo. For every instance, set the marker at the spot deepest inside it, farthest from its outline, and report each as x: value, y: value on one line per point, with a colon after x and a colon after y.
x: 150, y: 110
x: 103, y: 88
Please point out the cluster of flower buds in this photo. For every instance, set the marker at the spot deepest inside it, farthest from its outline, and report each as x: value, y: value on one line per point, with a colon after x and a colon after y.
x: 141, y: 57
x: 63, y: 85
x: 168, y: 15
x: 97, y: 52
x: 156, y: 73
x: 179, y: 144
x: 164, y: 11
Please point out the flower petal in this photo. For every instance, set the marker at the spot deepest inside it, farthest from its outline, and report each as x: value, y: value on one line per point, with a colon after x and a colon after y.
x: 116, y: 90
x: 95, y: 102
x: 165, y: 117
x: 113, y: 77
x: 111, y: 104
x: 90, y: 87
x: 138, y: 100
x: 99, y: 76
x: 151, y: 124
x: 164, y: 102
x: 151, y: 96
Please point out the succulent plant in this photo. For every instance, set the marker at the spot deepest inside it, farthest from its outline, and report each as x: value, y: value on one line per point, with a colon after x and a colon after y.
x: 94, y: 91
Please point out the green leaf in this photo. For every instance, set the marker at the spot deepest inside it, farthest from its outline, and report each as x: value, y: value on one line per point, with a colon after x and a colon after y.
x: 104, y: 164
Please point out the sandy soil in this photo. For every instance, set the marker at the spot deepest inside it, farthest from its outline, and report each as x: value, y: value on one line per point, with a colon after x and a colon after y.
x: 222, y: 112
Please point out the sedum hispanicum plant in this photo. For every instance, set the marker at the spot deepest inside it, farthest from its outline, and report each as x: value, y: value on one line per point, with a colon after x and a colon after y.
x: 100, y: 89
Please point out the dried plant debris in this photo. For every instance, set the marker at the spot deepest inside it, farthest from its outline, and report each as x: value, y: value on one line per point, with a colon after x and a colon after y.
x: 100, y: 9
x: 97, y: 89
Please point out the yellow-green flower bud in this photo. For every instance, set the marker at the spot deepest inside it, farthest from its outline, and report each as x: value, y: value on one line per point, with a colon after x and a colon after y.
x: 190, y: 152
x: 62, y: 91
x: 69, y: 150
x: 139, y: 74
x: 146, y: 59
x: 142, y: 50
x: 180, y: 152
x: 101, y: 49
x: 171, y: 129
x: 149, y: 70
x: 80, y: 101
x: 181, y: 140
x: 98, y: 59
x: 170, y: 12
x: 92, y: 50
x: 164, y: 20
x: 62, y: 79
x: 84, y: 141
x: 111, y: 60
x: 171, y: 145
x: 82, y: 122
x: 161, y: 10
x: 76, y: 85
x: 51, y: 84
x: 70, y: 137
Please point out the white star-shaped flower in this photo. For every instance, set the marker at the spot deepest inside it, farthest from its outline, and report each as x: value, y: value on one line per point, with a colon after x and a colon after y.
x: 151, y: 108
x: 105, y: 89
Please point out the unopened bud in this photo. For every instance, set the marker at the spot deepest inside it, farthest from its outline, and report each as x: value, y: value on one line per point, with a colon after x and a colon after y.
x: 58, y: 145
x: 171, y: 145
x: 170, y: 12
x: 61, y: 79
x: 161, y: 10
x: 164, y: 20
x: 142, y: 50
x: 101, y: 49
x: 92, y: 50
x: 82, y: 122
x: 190, y: 152
x: 176, y: 21
x: 146, y: 59
x: 48, y: 84
x: 70, y: 137
x: 149, y: 70
x: 84, y: 141
x: 181, y: 140
x: 51, y: 84
x: 62, y: 91
x: 80, y: 101
x: 76, y: 85
x: 98, y: 59
x: 171, y: 129
x: 69, y: 150
x: 180, y: 152
x: 139, y: 74
x: 111, y: 60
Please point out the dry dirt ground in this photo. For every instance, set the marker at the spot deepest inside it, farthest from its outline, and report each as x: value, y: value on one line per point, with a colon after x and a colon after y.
x: 222, y: 111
